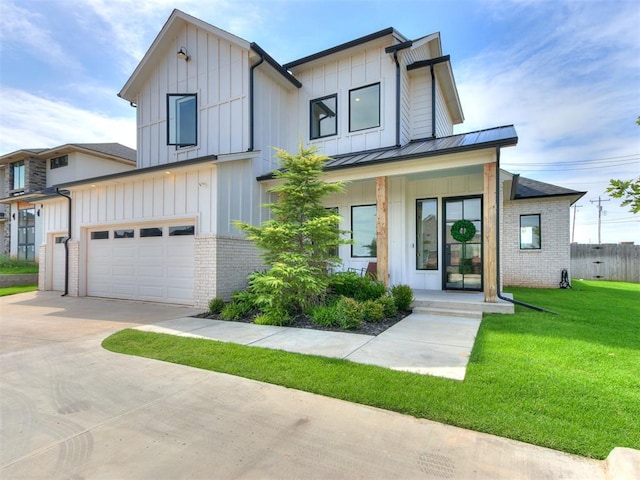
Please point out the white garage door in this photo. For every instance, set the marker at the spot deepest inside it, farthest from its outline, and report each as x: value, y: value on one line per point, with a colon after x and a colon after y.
x: 153, y: 263
x: 57, y: 281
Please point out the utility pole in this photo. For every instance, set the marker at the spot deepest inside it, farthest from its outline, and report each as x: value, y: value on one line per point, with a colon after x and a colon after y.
x: 599, y: 214
x: 573, y: 229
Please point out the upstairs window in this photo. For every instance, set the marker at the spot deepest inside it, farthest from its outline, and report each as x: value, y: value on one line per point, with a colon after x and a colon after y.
x: 58, y: 162
x: 364, y: 107
x: 17, y: 171
x: 530, y: 232
x: 324, y: 116
x: 182, y: 121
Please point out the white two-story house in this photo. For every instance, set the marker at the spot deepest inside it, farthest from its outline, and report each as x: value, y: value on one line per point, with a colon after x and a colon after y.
x: 210, y: 109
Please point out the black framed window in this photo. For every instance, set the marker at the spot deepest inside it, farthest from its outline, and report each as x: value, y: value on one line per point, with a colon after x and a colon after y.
x: 127, y: 233
x: 530, y: 232
x: 364, y: 107
x: 427, y: 234
x: 18, y: 173
x: 58, y: 162
x: 182, y: 230
x: 182, y: 119
x: 363, y: 231
x: 27, y: 234
x: 324, y: 116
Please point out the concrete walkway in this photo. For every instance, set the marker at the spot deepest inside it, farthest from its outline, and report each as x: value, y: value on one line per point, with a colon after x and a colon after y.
x: 419, y: 343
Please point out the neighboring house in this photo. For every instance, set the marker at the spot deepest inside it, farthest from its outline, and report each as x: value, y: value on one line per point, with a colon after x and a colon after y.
x: 25, y: 174
x: 210, y: 109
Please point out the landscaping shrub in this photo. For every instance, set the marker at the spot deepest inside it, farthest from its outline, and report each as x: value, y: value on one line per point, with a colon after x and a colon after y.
x: 403, y: 296
x: 327, y: 315
x: 216, y: 305
x: 352, y: 285
x: 373, y: 311
x: 388, y: 306
x: 242, y: 305
x: 278, y: 318
x: 352, y: 313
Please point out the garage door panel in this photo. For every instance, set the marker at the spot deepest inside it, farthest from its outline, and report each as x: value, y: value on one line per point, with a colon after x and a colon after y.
x: 158, y: 269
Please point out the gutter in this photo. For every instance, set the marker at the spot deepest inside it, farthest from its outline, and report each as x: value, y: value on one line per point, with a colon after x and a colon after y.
x: 394, y: 49
x: 251, y: 101
x: 499, y: 288
x: 65, y: 194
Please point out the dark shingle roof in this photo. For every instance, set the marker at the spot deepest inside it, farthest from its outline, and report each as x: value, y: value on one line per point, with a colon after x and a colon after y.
x: 528, y: 188
x: 113, y: 149
x: 494, y: 137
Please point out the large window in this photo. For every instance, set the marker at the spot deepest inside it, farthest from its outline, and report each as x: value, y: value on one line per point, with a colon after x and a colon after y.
x: 364, y: 107
x: 530, y: 232
x: 324, y: 116
x: 58, y: 162
x: 26, y: 234
x: 182, y: 121
x: 427, y: 234
x: 17, y: 171
x: 363, y: 227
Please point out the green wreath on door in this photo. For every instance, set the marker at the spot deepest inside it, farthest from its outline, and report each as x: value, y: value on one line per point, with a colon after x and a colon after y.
x: 463, y: 231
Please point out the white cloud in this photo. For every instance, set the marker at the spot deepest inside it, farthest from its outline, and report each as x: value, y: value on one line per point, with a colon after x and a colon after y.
x: 31, y: 121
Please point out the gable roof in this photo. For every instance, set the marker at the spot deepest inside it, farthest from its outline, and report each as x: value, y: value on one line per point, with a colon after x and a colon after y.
x: 115, y: 151
x: 490, y: 138
x: 526, y: 188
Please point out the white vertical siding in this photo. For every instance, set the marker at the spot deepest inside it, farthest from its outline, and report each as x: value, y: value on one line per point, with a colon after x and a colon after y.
x: 421, y: 119
x: 218, y: 73
x: 444, y: 124
x: 83, y: 165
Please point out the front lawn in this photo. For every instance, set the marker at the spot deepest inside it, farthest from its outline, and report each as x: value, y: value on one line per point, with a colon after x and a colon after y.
x: 4, y: 291
x: 568, y: 382
x: 11, y: 266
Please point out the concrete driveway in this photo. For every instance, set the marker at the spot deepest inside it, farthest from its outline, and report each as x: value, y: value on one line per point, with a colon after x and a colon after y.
x: 73, y: 410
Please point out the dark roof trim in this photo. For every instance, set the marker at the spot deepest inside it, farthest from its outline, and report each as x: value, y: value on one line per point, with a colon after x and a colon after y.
x: 514, y: 186
x: 428, y: 63
x: 398, y: 46
x: 141, y: 171
x: 344, y: 46
x: 506, y: 141
x: 523, y: 188
x: 279, y: 68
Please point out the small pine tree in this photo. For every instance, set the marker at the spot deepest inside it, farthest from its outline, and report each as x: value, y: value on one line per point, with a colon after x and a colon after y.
x: 301, y: 239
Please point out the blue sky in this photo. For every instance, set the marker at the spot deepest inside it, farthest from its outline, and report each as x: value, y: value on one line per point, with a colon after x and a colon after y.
x: 565, y: 73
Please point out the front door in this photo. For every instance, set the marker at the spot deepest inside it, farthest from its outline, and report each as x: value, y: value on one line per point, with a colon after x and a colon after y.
x: 462, y: 244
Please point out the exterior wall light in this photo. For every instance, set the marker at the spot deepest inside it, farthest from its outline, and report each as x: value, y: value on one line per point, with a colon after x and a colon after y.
x: 183, y: 55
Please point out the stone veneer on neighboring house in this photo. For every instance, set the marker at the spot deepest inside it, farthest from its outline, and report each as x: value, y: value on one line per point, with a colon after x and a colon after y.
x: 542, y: 267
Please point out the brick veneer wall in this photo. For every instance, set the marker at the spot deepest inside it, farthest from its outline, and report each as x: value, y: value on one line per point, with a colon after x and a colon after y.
x: 74, y: 268
x: 536, y: 268
x: 222, y: 267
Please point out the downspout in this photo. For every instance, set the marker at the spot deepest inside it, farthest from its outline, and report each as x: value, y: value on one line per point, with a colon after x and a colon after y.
x: 251, y: 102
x: 433, y: 102
x: 66, y: 243
x: 499, y: 287
x: 395, y: 58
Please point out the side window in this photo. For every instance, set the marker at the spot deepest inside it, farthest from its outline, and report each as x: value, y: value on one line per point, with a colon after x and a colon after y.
x: 17, y: 169
x: 182, y: 119
x: 363, y: 226
x: 530, y: 232
x: 324, y: 116
x: 58, y: 162
x: 427, y: 234
x: 364, y: 107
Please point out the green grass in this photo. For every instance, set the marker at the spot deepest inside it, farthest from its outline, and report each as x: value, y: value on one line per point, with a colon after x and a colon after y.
x: 12, y: 266
x: 568, y: 382
x: 4, y: 291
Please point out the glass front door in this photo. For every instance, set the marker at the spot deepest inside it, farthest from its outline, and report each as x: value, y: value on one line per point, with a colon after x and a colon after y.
x: 462, y: 259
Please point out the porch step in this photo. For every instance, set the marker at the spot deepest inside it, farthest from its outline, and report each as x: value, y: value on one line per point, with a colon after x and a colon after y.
x: 460, y: 305
x: 449, y: 312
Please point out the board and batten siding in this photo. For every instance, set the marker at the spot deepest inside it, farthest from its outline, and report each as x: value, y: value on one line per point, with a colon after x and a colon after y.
x: 339, y: 74
x: 218, y: 73
x: 444, y: 124
x: 421, y: 120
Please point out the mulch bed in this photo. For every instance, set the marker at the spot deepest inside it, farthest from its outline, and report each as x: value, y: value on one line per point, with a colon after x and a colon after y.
x: 303, y: 321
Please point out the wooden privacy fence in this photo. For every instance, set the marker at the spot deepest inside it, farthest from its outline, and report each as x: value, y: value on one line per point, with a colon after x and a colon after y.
x: 606, y: 262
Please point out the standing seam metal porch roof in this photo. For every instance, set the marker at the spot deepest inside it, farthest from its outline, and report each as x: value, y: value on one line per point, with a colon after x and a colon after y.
x: 504, y: 136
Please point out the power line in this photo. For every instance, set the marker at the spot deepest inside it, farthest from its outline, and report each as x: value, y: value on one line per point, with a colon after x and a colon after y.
x: 595, y: 160
x: 600, y: 214
x: 565, y: 168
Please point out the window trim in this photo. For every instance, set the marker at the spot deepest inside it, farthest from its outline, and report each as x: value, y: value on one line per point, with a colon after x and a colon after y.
x: 437, y: 222
x: 379, y: 107
x: 177, y: 144
x: 352, y: 230
x: 19, y: 165
x: 312, y: 102
x: 532, y: 247
x: 58, y: 162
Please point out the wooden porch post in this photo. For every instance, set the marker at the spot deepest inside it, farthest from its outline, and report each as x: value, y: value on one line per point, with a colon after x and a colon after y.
x: 382, y: 233
x: 489, y: 231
